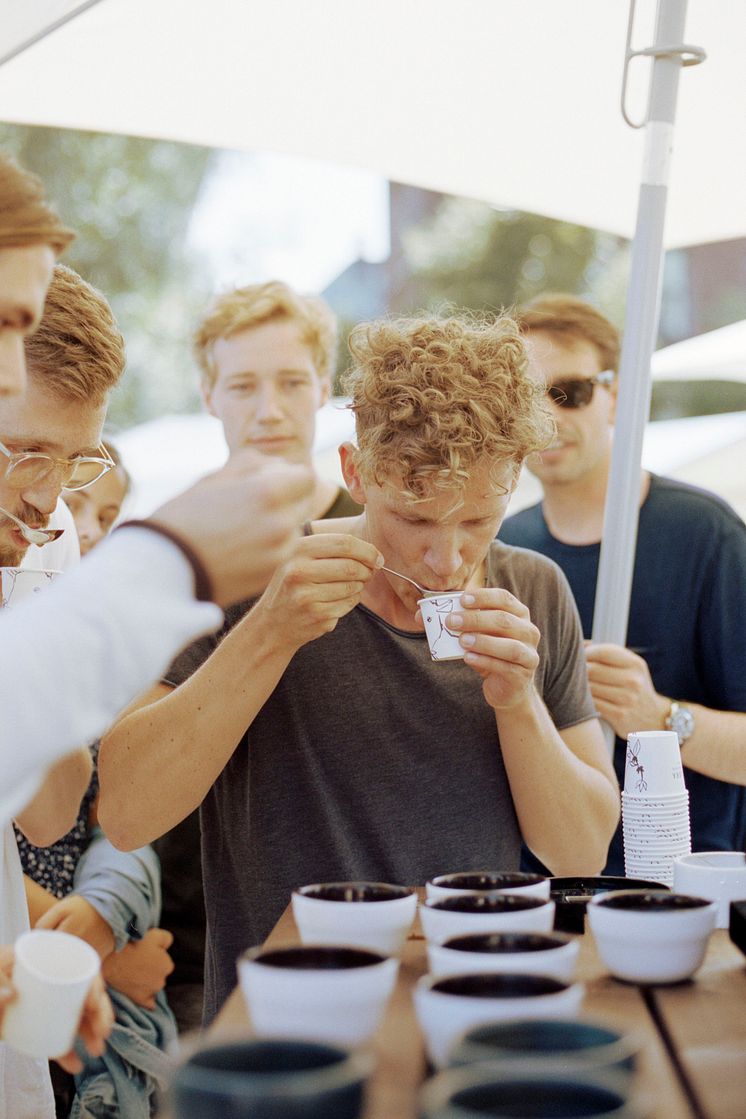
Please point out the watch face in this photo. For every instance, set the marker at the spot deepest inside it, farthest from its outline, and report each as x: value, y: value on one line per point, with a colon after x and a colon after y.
x: 682, y: 721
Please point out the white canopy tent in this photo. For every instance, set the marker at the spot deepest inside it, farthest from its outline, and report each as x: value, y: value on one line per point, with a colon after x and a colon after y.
x: 515, y: 103
x: 718, y: 355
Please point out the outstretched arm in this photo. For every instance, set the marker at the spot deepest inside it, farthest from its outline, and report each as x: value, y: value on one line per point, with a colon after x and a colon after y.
x: 625, y: 696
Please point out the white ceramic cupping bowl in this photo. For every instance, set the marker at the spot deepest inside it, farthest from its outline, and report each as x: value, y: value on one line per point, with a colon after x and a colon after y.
x: 719, y: 876
x: 448, y: 1006
x: 651, y: 936
x: 527, y: 953
x: 482, y: 881
x: 318, y: 992
x: 443, y: 918
x: 373, y: 915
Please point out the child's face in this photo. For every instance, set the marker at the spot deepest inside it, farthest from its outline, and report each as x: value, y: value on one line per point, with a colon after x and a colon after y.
x: 96, y: 508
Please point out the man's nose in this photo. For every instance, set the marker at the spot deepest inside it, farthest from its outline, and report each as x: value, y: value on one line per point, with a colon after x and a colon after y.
x: 12, y: 366
x: 443, y: 557
x: 44, y: 494
x: 88, y: 529
x: 269, y: 406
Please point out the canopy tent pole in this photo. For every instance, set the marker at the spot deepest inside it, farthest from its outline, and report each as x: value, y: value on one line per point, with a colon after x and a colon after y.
x: 616, y: 563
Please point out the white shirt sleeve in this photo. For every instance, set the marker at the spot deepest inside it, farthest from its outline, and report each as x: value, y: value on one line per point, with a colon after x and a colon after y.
x: 73, y: 658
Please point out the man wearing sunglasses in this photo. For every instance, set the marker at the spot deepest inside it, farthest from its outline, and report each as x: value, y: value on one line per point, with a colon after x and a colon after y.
x: 683, y: 668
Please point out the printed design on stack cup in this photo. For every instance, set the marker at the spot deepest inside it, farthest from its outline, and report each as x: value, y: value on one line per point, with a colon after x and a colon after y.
x: 655, y: 806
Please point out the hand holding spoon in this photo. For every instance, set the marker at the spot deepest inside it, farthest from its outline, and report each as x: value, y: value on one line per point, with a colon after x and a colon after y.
x: 38, y: 536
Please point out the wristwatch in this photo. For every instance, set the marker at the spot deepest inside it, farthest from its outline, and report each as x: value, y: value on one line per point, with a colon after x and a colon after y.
x: 680, y: 719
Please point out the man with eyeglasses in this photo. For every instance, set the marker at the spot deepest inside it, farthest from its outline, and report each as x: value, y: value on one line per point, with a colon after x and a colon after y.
x: 683, y: 668
x: 50, y: 437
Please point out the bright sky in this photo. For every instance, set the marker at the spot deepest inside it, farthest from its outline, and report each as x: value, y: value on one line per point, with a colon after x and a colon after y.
x: 268, y: 216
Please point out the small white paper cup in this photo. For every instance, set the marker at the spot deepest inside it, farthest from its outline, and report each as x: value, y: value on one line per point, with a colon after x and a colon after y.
x: 52, y: 973
x: 653, y: 767
x: 19, y: 583
x: 444, y: 642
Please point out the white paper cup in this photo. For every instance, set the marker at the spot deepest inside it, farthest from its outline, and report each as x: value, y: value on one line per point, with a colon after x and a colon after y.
x: 373, y: 915
x: 19, y: 583
x: 443, y: 642
x: 52, y: 973
x: 320, y: 992
x: 719, y: 876
x: 653, y: 767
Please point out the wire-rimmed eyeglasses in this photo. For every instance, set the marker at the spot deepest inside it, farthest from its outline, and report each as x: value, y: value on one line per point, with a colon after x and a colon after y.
x: 28, y: 468
x: 577, y: 392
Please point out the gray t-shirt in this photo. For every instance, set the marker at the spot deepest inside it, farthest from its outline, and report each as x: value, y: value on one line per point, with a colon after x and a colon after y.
x: 370, y: 761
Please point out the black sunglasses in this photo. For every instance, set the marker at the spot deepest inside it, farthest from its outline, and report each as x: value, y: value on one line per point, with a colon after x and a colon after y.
x: 577, y: 392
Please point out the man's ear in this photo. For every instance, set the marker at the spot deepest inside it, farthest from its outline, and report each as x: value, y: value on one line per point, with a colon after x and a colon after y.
x: 614, y: 390
x: 205, y: 391
x: 348, y: 462
x: 326, y: 391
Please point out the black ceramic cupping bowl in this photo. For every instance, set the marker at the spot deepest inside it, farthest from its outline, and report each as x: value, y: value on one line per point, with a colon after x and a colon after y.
x: 571, y: 896
x: 270, y: 1079
x: 737, y: 927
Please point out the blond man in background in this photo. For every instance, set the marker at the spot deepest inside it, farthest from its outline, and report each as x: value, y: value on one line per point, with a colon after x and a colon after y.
x: 266, y: 356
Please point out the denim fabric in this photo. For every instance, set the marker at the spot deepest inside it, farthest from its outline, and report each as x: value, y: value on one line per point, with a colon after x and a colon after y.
x: 125, y: 889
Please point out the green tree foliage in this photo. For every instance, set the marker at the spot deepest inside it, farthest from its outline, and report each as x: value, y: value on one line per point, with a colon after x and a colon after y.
x: 472, y: 255
x: 130, y: 201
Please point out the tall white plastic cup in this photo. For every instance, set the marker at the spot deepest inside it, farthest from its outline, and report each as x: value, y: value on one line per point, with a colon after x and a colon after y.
x: 52, y: 974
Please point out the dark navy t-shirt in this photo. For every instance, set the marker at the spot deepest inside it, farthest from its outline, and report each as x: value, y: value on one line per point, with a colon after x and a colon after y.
x: 687, y: 619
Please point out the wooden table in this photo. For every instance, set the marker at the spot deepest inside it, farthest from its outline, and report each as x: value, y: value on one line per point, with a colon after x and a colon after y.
x: 693, y: 1063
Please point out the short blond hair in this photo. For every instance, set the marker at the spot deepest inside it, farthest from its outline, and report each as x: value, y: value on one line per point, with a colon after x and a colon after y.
x: 256, y: 304
x: 77, y: 351
x: 26, y: 218
x: 436, y: 397
x: 574, y: 320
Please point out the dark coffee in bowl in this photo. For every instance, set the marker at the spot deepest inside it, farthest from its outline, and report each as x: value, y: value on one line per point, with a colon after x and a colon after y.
x: 485, y: 903
x: 506, y: 942
x: 529, y: 1098
x: 319, y: 957
x: 263, y: 1079
x: 653, y: 902
x: 499, y: 986
x: 487, y: 880
x: 355, y: 891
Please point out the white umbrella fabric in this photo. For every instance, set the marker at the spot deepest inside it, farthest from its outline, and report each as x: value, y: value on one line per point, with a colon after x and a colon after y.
x: 718, y: 355
x: 515, y: 102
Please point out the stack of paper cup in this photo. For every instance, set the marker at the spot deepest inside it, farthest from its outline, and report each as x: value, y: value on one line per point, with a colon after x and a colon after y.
x: 655, y: 806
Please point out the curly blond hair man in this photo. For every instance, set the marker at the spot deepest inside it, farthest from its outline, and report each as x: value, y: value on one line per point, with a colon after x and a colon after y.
x: 345, y: 751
